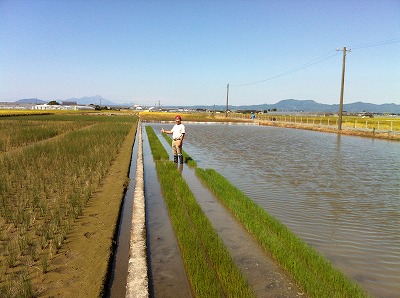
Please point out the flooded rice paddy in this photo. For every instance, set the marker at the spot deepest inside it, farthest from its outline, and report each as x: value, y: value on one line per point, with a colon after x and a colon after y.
x: 340, y: 194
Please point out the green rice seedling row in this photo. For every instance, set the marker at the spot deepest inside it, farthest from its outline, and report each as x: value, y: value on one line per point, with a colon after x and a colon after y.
x: 210, y: 268
x: 310, y: 270
x: 187, y: 159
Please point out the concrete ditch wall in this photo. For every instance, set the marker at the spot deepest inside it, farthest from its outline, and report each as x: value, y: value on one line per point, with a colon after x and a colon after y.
x: 137, y: 280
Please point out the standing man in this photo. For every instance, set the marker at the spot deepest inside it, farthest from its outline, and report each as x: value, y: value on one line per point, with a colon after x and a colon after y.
x: 178, y: 133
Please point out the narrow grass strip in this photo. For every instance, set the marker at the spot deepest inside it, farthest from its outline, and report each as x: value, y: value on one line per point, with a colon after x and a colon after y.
x: 187, y: 159
x: 210, y: 268
x: 314, y: 273
x: 157, y: 148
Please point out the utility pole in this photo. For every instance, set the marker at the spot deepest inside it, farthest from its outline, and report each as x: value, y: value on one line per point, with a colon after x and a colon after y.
x: 342, y: 88
x: 227, y: 96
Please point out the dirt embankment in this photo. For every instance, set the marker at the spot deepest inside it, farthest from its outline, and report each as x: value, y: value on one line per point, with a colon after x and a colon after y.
x: 80, y: 267
x: 353, y: 132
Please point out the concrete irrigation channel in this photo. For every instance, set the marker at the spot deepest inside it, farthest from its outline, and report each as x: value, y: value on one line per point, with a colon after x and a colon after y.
x: 155, y: 266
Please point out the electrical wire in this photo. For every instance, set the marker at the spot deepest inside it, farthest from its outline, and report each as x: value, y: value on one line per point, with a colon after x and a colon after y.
x: 321, y: 59
x: 308, y: 64
x: 378, y: 43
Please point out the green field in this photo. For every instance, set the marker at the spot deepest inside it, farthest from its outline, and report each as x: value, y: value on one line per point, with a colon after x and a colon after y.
x: 50, y: 167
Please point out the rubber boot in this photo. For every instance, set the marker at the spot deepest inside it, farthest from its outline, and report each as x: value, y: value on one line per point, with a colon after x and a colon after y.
x: 175, y: 158
x: 181, y: 159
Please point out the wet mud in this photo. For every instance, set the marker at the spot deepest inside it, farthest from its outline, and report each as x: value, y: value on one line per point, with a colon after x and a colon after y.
x: 117, y: 284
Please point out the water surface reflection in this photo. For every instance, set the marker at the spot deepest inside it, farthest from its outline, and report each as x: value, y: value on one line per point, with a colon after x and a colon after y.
x: 341, y: 194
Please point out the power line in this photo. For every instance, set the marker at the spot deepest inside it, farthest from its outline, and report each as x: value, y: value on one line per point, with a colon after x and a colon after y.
x: 321, y: 59
x: 308, y: 64
x: 377, y: 43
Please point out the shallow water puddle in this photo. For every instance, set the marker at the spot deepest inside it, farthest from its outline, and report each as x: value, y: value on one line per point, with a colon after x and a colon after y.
x: 167, y: 274
x: 264, y: 275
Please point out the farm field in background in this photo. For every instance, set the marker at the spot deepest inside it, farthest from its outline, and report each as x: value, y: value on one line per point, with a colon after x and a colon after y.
x: 11, y: 113
x: 50, y: 167
x: 377, y: 123
x: 377, y: 127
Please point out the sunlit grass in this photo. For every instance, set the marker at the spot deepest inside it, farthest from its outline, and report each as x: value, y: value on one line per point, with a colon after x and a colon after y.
x: 186, y: 116
x: 45, y: 186
x: 377, y: 123
x: 349, y: 122
x: 17, y: 133
x: 6, y: 113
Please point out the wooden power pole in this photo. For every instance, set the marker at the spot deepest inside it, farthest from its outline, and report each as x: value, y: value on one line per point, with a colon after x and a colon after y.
x: 342, y: 89
x: 227, y: 97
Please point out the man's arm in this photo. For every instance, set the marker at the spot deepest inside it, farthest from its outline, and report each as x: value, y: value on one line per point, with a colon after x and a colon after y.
x: 181, y: 139
x: 166, y: 131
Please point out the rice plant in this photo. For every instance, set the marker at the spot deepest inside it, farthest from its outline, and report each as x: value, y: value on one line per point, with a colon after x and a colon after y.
x: 212, y: 271
x: 314, y: 273
x: 46, y: 181
x: 187, y: 159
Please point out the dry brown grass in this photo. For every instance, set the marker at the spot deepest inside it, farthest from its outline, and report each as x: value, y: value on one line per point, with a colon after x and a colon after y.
x: 198, y: 117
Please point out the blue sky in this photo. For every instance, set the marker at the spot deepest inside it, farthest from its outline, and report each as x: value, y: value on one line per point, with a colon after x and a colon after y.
x: 186, y: 52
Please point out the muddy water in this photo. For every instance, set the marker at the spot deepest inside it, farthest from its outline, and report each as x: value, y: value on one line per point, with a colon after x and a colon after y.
x: 166, y: 271
x: 263, y: 274
x: 341, y: 194
x: 167, y: 277
x: 119, y: 271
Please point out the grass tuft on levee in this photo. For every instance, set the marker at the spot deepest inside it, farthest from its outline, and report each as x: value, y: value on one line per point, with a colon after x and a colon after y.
x: 313, y: 273
x: 210, y: 268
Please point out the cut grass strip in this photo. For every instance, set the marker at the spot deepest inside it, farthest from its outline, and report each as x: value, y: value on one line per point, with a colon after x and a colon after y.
x: 210, y: 268
x: 314, y: 273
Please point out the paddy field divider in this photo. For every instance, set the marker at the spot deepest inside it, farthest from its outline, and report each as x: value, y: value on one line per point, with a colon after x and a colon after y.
x: 137, y: 281
x: 210, y: 268
x: 310, y: 270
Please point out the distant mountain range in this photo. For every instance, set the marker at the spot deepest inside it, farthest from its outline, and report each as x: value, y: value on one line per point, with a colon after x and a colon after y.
x: 95, y: 100
x: 287, y: 105
x: 293, y: 105
x: 87, y: 100
x: 30, y: 101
